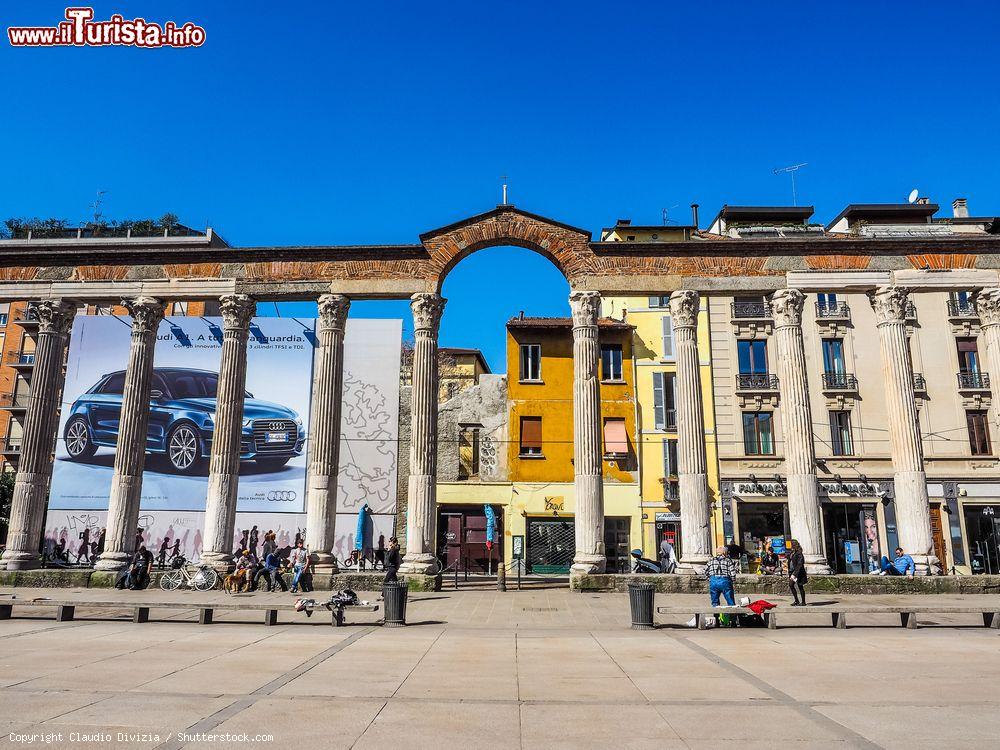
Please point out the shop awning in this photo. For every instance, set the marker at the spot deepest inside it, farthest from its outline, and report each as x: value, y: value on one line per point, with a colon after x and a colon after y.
x: 615, y: 439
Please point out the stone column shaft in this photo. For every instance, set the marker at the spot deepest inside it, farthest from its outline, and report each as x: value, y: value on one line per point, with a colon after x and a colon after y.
x: 133, y: 427
x: 421, y: 508
x: 588, y: 470
x: 27, y: 513
x: 324, y: 429
x: 692, y: 471
x: 224, y: 467
x: 800, y: 452
x: 913, y: 518
x: 988, y: 306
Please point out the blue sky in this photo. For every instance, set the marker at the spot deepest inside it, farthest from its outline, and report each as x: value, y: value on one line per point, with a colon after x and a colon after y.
x: 329, y: 122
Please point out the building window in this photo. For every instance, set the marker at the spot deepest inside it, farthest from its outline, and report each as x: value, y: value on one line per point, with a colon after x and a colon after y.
x: 758, y: 434
x: 531, y: 362
x: 827, y: 300
x: 752, y: 357
x: 833, y: 357
x: 979, y: 432
x: 659, y: 301
x: 961, y: 304
x: 669, y: 458
x: 668, y: 338
x: 468, y: 451
x: 968, y: 356
x: 4, y: 314
x: 840, y: 433
x: 179, y: 308
x: 664, y: 401
x: 611, y: 362
x: 615, y: 437
x: 531, y: 436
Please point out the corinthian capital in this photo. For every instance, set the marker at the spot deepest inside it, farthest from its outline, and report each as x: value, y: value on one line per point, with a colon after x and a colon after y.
x: 684, y: 308
x: 889, y: 304
x: 333, y: 310
x: 237, y: 311
x: 54, y: 315
x: 427, y: 310
x: 988, y: 306
x: 586, y: 307
x: 786, y: 307
x: 146, y: 312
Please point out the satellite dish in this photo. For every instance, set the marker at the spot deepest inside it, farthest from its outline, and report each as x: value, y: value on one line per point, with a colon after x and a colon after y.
x: 914, y: 194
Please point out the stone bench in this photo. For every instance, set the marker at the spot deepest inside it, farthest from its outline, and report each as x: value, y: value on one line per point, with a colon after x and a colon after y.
x: 838, y: 613
x: 66, y: 609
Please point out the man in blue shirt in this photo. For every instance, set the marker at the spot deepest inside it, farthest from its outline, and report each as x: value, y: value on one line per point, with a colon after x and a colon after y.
x: 271, y: 570
x: 901, y: 566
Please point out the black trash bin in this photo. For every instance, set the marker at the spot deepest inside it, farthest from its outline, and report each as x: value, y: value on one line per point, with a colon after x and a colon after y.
x: 394, y: 601
x: 640, y: 600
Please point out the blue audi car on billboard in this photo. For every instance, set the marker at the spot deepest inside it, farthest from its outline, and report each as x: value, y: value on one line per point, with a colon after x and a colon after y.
x: 182, y: 421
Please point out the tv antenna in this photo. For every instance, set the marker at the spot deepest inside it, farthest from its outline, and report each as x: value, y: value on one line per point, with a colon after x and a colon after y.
x: 914, y: 194
x: 504, y: 178
x: 791, y: 170
x: 96, y: 205
x: 666, y: 215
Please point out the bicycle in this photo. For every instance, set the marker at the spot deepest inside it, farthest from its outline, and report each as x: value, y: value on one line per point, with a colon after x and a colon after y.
x: 197, y: 577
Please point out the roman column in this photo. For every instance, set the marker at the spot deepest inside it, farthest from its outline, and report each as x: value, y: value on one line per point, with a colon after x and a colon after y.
x: 324, y: 429
x: 421, y: 503
x: 31, y: 485
x: 692, y: 471
x: 913, y: 518
x: 224, y: 466
x: 133, y: 425
x: 588, y: 468
x: 988, y: 305
x: 800, y: 452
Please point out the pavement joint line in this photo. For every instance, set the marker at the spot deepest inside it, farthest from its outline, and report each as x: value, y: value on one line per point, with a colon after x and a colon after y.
x: 241, y: 704
x: 805, y: 710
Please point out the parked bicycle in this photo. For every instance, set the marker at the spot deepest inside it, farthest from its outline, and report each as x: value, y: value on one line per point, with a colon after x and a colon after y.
x: 197, y: 577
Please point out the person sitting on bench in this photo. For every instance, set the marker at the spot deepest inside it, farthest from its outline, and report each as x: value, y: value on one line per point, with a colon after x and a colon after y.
x: 270, y: 569
x: 902, y: 565
x: 136, y: 575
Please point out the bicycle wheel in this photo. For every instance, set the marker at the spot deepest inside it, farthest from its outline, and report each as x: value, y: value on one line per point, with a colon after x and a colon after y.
x: 171, y: 580
x: 205, y: 579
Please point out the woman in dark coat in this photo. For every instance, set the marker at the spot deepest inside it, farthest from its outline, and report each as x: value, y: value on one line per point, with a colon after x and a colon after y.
x: 797, y: 577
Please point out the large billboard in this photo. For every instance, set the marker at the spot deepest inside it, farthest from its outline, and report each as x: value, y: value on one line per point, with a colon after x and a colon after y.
x: 280, y: 356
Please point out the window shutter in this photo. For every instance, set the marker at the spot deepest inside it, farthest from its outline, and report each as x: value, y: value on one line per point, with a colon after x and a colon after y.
x: 668, y: 338
x: 659, y: 415
x: 615, y: 438
x: 531, y: 432
x: 668, y: 467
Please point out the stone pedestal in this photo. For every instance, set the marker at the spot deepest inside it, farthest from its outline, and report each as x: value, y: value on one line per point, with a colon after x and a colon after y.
x: 913, y: 517
x: 800, y: 453
x: 133, y: 425
x: 988, y: 305
x: 421, y: 509
x: 324, y: 431
x: 588, y: 524
x: 27, y: 512
x: 692, y: 470
x: 224, y: 467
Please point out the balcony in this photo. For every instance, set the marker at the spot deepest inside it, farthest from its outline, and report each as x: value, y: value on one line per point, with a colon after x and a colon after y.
x: 751, y: 311
x: 671, y: 489
x: 27, y: 318
x: 911, y: 311
x: 14, y: 402
x: 840, y: 381
x: 833, y: 311
x: 20, y: 360
x: 973, y: 381
x: 919, y: 384
x: 669, y: 421
x: 10, y: 447
x: 962, y: 309
x: 765, y: 383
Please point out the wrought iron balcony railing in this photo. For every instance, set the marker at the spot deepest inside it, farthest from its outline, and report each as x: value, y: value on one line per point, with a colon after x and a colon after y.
x: 911, y: 311
x: 10, y: 445
x: 669, y: 420
x: 27, y: 315
x: 960, y: 309
x: 13, y: 400
x: 833, y: 311
x: 839, y: 381
x: 19, y: 358
x: 756, y: 382
x: 973, y: 381
x: 919, y: 384
x: 751, y: 311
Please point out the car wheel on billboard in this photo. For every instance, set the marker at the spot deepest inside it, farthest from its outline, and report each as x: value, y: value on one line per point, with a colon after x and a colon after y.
x: 79, y: 446
x: 184, y: 449
x: 272, y: 463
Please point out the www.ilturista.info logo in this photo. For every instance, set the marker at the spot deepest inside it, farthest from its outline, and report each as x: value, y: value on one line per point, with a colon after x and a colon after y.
x: 81, y: 30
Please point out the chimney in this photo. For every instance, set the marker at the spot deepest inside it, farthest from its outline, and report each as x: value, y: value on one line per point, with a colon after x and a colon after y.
x: 960, y: 208
x: 694, y: 215
x: 923, y: 201
x: 624, y: 222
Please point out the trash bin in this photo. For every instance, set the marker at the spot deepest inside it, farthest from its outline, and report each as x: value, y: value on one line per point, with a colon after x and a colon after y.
x: 394, y: 601
x: 640, y: 600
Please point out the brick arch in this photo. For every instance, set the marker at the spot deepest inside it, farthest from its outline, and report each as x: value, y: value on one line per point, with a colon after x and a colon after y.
x: 568, y: 248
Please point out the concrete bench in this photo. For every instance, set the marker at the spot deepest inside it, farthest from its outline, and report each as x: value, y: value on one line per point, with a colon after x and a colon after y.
x: 838, y: 613
x: 66, y: 609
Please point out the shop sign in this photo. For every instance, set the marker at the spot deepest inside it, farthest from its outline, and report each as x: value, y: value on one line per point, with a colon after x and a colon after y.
x: 764, y: 489
x: 517, y: 547
x: 850, y: 489
x: 555, y: 503
x: 661, y: 517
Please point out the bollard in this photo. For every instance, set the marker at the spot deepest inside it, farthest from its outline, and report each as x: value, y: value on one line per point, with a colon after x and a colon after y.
x: 640, y: 599
x: 501, y: 577
x: 394, y: 599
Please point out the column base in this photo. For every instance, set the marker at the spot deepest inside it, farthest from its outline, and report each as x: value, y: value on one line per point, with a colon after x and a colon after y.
x: 693, y: 565
x: 419, y: 563
x: 926, y: 565
x: 324, y: 563
x: 220, y: 562
x: 587, y: 564
x: 112, y: 561
x: 19, y: 561
x: 818, y: 565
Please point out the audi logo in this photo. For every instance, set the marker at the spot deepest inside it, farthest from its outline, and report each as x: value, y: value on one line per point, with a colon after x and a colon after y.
x: 281, y: 495
x: 276, y: 425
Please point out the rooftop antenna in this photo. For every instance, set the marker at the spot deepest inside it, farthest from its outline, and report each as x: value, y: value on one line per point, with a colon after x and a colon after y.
x: 914, y: 194
x: 792, y: 170
x: 96, y: 205
x: 504, y: 178
x: 666, y: 215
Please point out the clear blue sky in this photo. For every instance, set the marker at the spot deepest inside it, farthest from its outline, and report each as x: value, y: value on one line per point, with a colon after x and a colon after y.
x: 329, y: 122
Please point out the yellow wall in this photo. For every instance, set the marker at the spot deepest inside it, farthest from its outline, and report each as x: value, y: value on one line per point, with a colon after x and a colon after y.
x: 649, y: 358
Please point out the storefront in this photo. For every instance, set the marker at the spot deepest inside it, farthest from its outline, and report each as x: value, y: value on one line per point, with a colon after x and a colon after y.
x: 462, y: 539
x: 551, y: 545
x: 668, y: 526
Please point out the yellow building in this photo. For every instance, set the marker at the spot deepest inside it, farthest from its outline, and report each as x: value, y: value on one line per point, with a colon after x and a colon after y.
x: 540, y: 445
x: 655, y: 389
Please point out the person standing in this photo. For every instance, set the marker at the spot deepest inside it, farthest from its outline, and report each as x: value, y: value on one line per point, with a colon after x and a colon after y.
x: 392, y: 560
x: 161, y: 557
x: 298, y: 560
x: 668, y: 558
x: 254, y: 538
x: 721, y: 573
x: 797, y: 576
